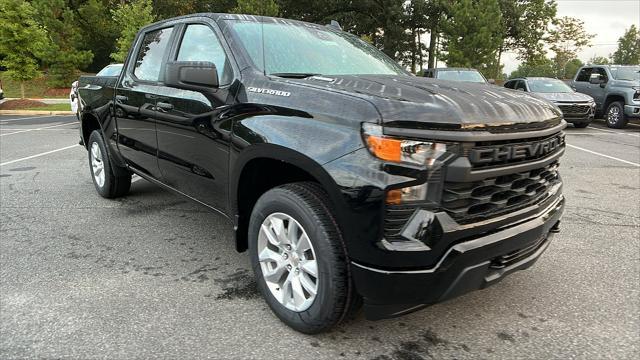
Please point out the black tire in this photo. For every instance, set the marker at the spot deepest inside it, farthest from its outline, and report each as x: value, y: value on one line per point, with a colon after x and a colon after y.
x: 614, y: 116
x: 114, y: 185
x: 336, y: 298
x: 581, y: 125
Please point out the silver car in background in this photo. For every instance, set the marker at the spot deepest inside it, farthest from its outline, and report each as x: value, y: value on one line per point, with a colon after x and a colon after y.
x: 578, y: 109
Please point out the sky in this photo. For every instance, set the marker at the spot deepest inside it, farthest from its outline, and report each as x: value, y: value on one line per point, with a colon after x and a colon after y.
x: 607, y: 20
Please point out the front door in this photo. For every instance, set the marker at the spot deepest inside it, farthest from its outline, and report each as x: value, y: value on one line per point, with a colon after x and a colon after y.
x: 193, y: 137
x: 135, y: 102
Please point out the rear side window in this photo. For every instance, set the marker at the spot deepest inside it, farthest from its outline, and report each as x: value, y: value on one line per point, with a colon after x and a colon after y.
x: 584, y: 74
x: 200, y: 43
x: 151, y: 54
x: 509, y: 84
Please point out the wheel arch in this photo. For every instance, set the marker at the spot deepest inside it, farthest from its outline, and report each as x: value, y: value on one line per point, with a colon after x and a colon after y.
x: 611, y: 98
x: 89, y: 123
x: 272, y: 165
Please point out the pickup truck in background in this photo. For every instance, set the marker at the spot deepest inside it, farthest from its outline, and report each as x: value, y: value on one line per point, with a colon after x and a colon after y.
x: 350, y: 181
x: 615, y: 89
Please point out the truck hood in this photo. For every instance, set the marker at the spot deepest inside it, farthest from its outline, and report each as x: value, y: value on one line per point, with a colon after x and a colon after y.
x: 564, y: 97
x: 426, y: 100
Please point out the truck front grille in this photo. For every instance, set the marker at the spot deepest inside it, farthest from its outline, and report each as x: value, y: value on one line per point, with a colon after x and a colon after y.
x: 474, y: 201
x: 574, y: 109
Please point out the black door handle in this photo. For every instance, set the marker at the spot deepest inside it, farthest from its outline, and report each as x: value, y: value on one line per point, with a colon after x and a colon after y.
x: 164, y: 106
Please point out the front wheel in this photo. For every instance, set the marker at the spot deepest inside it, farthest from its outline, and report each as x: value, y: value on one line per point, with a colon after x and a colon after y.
x: 105, y: 180
x: 615, y: 116
x: 298, y: 257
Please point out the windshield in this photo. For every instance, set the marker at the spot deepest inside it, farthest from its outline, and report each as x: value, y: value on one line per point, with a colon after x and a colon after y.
x: 626, y: 72
x: 461, y: 75
x: 548, y: 86
x: 300, y: 48
x: 110, y: 70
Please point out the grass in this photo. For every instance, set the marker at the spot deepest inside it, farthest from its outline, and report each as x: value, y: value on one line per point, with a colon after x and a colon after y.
x: 51, y: 107
x: 35, y: 89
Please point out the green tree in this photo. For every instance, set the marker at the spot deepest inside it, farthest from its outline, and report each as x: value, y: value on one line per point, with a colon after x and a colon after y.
x: 98, y: 30
x: 63, y: 52
x: 598, y: 60
x: 130, y: 17
x: 567, y: 38
x: 257, y: 7
x: 524, y: 25
x: 628, y: 52
x: 22, y: 41
x: 541, y: 67
x: 472, y: 35
x: 569, y: 70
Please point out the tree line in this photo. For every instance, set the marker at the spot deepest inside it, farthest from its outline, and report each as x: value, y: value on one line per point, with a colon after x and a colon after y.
x: 64, y: 37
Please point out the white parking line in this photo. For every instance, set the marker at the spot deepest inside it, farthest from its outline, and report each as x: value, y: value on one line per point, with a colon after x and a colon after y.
x: 614, y: 132
x: 40, y: 128
x: 37, y: 155
x: 603, y: 155
x: 26, y: 118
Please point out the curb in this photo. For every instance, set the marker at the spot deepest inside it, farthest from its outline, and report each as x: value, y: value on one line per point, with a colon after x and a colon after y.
x: 35, y: 112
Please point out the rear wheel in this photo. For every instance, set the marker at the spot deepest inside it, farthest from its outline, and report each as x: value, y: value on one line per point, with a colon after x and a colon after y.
x: 615, y: 116
x: 105, y: 180
x: 299, y: 259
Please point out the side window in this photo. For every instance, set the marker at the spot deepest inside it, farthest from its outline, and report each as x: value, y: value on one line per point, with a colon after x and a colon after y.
x: 200, y: 43
x: 584, y: 74
x: 520, y: 85
x: 509, y: 84
x: 151, y: 54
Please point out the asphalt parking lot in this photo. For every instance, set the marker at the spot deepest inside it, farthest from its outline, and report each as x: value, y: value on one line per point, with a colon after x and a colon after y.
x: 153, y: 275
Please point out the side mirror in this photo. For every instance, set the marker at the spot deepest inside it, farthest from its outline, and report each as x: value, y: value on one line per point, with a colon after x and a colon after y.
x: 191, y: 75
x: 491, y: 81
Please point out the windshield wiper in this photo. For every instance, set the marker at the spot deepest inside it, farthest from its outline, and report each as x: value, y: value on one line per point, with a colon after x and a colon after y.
x: 294, y: 75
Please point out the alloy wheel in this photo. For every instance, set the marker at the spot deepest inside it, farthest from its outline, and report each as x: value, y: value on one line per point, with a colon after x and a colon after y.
x: 288, y: 261
x: 614, y: 115
x: 97, y: 164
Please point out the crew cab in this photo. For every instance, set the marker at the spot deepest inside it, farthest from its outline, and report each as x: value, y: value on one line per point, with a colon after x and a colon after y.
x: 350, y: 181
x: 615, y: 88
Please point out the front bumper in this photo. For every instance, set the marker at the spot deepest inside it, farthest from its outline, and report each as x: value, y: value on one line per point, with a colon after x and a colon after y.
x: 469, y: 265
x: 632, y: 110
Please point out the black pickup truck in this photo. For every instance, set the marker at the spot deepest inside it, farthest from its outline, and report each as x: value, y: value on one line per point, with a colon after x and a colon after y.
x: 350, y: 181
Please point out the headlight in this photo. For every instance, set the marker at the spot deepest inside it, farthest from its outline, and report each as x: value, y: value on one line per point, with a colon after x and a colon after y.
x: 400, y: 150
x: 412, y: 152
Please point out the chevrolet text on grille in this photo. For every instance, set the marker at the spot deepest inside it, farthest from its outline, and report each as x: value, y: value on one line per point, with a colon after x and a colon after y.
x: 515, y: 152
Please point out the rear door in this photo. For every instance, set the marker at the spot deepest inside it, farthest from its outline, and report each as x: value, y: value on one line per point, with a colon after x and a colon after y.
x: 136, y: 97
x: 193, y: 135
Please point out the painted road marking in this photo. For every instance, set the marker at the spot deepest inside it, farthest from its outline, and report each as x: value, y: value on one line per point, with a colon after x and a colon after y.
x: 37, y: 155
x: 40, y: 128
x: 614, y: 132
x: 603, y: 155
x: 26, y: 118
